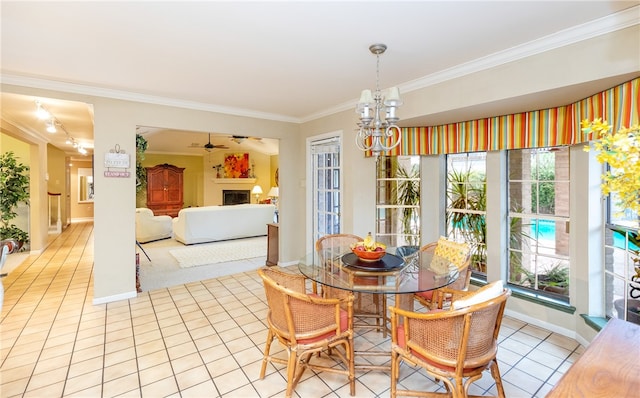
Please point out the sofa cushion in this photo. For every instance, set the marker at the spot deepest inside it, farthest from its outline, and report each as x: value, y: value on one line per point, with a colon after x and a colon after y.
x: 215, y: 223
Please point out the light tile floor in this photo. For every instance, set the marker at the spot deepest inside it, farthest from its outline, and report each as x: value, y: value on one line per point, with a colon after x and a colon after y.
x: 202, y: 339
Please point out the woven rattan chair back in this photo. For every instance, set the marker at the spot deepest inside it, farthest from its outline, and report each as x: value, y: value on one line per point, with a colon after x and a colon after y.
x: 369, y: 309
x: 334, y: 245
x: 451, y: 345
x: 306, y: 324
x: 455, y: 253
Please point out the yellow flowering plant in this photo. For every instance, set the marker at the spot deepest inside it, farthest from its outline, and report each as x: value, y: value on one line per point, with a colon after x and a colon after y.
x: 621, y: 150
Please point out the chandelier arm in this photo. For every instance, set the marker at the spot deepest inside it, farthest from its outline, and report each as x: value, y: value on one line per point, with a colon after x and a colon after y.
x: 389, y: 133
x: 361, y: 139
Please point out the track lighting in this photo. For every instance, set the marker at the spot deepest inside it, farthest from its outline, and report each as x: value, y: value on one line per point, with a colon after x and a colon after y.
x: 52, y: 124
x: 41, y: 112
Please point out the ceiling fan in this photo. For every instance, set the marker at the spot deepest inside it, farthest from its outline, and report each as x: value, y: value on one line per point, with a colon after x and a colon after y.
x: 239, y: 138
x: 208, y: 146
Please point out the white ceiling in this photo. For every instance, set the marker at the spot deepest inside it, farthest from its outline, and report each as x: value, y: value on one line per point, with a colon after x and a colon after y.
x: 291, y: 61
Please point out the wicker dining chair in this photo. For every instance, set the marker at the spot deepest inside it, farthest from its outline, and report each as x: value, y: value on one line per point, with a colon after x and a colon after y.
x: 306, y: 324
x: 450, y: 345
x: 455, y: 253
x: 366, y: 306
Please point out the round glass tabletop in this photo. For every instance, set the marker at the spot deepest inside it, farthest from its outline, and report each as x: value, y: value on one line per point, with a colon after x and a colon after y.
x: 419, y: 272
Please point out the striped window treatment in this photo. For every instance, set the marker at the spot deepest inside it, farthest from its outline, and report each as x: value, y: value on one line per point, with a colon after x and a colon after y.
x: 619, y: 106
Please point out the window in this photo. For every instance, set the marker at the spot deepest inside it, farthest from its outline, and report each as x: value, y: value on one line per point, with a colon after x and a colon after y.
x: 398, y: 200
x: 467, y: 205
x: 622, y: 263
x: 539, y: 221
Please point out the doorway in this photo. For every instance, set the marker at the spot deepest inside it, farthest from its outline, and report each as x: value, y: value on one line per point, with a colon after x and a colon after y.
x: 326, y: 186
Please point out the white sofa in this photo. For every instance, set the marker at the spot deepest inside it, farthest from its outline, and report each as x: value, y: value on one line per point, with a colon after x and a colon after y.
x: 214, y: 223
x: 150, y: 227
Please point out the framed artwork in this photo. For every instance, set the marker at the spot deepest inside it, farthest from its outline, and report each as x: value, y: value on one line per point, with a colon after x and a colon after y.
x: 236, y: 165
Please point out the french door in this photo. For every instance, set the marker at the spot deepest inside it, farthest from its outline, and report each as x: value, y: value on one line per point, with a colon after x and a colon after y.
x: 326, y: 178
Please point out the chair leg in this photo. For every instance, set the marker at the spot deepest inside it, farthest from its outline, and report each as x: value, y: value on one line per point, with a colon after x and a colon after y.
x: 495, y: 372
x: 265, y: 359
x: 291, y: 371
x: 395, y: 370
x: 348, y: 347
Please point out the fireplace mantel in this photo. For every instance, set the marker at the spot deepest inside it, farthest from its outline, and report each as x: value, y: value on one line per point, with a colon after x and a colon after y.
x: 234, y: 180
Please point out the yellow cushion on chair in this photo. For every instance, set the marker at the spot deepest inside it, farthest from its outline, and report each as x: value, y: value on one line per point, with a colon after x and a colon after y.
x: 455, y: 252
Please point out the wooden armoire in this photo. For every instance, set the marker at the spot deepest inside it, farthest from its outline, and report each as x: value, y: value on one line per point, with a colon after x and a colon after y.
x: 165, y: 189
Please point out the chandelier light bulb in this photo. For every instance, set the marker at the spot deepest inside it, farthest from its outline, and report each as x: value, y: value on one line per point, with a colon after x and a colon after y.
x: 378, y: 131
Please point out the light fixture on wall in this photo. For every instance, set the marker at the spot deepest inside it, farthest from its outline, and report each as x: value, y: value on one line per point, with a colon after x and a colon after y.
x: 378, y: 130
x: 257, y: 190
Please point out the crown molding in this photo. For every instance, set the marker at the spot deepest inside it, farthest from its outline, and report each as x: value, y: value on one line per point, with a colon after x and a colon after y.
x: 591, y: 29
x: 578, y: 33
x: 74, y: 88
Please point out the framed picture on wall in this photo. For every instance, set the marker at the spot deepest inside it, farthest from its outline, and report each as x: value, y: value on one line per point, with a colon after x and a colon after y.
x: 236, y: 165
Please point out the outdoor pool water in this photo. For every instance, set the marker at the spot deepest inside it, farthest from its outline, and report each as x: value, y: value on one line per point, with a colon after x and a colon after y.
x: 547, y: 230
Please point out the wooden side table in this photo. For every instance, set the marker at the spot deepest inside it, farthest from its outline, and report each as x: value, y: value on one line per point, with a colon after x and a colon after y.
x: 607, y: 368
x: 272, y: 244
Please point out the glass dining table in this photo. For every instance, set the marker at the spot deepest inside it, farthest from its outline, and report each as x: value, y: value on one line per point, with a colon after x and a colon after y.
x: 392, y: 275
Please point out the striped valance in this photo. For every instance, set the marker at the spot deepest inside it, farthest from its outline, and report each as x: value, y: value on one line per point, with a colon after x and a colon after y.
x: 619, y: 106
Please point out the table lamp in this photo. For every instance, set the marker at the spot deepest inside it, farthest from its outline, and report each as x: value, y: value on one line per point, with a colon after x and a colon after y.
x: 257, y: 190
x: 273, y: 194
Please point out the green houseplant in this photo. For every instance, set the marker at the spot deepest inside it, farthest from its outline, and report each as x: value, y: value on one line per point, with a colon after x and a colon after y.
x: 141, y: 172
x: 14, y: 188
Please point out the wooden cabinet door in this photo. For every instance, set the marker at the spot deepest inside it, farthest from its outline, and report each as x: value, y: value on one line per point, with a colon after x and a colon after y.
x: 165, y: 189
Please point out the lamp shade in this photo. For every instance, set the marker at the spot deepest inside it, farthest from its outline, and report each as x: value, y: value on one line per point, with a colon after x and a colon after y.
x: 257, y: 190
x: 273, y: 192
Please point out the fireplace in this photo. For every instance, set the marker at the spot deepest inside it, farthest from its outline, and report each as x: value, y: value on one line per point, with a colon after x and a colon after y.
x: 235, y: 197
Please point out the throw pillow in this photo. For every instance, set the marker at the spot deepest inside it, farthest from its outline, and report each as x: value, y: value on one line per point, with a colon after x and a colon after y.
x: 455, y: 252
x: 485, y: 293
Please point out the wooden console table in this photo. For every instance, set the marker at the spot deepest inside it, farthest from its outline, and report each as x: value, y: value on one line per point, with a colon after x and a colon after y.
x: 272, y: 244
x: 608, y: 367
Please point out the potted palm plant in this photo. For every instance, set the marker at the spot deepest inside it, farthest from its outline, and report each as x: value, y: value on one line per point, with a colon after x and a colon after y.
x: 14, y: 189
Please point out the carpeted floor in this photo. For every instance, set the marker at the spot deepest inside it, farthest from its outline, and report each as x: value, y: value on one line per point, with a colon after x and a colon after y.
x: 164, y: 271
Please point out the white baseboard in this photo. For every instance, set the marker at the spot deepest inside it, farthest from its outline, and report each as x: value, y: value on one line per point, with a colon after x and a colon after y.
x: 82, y: 219
x: 545, y: 325
x: 288, y: 263
x: 117, y: 297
